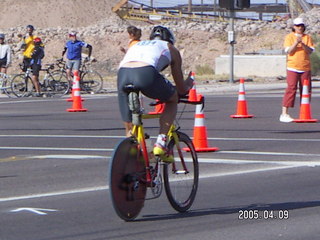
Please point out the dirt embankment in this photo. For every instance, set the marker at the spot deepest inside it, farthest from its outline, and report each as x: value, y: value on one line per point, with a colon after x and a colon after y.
x: 96, y: 24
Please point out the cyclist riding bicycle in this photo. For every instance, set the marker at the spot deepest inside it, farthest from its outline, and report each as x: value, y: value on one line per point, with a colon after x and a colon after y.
x: 141, y: 66
x: 5, y: 54
x: 74, y: 48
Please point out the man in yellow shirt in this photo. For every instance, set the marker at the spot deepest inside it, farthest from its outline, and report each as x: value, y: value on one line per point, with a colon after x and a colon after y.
x: 298, y: 47
x: 29, y: 47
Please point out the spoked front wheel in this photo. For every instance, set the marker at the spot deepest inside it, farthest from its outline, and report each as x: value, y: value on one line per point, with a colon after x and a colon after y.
x: 126, y: 174
x: 58, y: 84
x: 181, y: 177
x: 91, y: 82
x: 21, y: 85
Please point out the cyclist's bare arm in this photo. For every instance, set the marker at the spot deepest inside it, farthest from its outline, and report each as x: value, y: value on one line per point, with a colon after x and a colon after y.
x: 183, y: 86
x: 90, y: 50
x: 64, y: 51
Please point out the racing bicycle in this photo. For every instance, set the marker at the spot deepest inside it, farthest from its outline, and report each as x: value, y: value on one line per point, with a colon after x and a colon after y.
x: 90, y: 80
x: 134, y: 169
x: 53, y: 84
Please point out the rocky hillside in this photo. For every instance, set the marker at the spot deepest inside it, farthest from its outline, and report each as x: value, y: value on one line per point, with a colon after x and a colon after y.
x: 199, y: 43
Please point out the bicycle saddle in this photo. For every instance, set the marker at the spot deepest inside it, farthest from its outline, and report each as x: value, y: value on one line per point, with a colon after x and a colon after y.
x: 130, y: 88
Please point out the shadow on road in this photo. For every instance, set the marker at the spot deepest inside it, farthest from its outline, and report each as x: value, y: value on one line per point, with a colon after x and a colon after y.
x: 231, y: 210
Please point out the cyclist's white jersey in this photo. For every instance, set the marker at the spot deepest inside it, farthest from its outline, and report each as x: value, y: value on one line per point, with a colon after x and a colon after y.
x: 5, y: 52
x: 153, y: 52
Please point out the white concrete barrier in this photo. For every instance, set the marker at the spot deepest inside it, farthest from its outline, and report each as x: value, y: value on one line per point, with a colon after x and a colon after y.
x: 252, y: 65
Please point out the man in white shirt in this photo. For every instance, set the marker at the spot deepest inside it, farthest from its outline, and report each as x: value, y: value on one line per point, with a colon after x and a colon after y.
x: 5, y: 54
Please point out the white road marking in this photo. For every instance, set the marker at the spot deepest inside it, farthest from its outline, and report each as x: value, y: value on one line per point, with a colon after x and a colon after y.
x: 272, y: 153
x: 67, y: 157
x: 59, y: 149
x: 39, y: 211
x: 121, y: 137
x: 60, y: 136
x: 112, y: 149
x: 52, y: 194
x: 202, y: 176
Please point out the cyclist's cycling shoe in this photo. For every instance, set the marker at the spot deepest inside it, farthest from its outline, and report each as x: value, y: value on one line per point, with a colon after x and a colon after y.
x: 163, y: 153
x: 38, y: 95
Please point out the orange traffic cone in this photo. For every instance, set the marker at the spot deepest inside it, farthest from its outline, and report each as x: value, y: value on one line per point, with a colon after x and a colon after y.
x: 200, y: 140
x: 75, y: 75
x: 242, y: 111
x: 158, y: 108
x: 192, y: 92
x: 305, y: 108
x: 77, y: 101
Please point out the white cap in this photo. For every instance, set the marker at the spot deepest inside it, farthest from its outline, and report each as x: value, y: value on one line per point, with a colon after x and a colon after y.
x: 298, y: 21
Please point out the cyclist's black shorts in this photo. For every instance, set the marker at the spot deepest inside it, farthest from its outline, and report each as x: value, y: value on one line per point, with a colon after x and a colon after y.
x: 3, y: 63
x: 148, y: 80
x: 35, y: 67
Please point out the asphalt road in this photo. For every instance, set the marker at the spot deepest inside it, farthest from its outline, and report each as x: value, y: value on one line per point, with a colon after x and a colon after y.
x: 54, y: 171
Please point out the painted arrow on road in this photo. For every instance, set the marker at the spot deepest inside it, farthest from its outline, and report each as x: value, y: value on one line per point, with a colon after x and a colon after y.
x: 39, y: 211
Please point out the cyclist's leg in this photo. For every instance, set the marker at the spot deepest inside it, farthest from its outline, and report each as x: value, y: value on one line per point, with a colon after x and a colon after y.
x: 71, y: 66
x: 181, y: 177
x: 160, y: 88
x: 123, y: 78
x: 35, y: 77
x: 155, y: 86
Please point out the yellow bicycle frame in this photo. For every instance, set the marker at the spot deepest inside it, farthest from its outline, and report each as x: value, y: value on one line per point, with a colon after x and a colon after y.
x: 138, y: 132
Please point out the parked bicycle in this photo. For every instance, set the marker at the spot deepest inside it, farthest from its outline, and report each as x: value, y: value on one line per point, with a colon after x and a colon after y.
x: 134, y: 169
x: 52, y: 84
x: 91, y: 81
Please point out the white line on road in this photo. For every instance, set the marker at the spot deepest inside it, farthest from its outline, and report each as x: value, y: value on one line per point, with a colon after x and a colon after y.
x: 59, y: 149
x: 121, y: 137
x: 106, y: 187
x: 111, y: 150
x: 52, y: 194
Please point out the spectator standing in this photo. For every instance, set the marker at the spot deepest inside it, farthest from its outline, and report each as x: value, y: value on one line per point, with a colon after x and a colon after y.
x: 134, y: 37
x: 73, y: 48
x: 298, y: 46
x: 5, y: 54
x: 30, y: 59
x: 35, y: 63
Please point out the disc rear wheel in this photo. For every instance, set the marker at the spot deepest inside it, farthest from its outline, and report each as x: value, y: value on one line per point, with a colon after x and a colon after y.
x: 127, y: 172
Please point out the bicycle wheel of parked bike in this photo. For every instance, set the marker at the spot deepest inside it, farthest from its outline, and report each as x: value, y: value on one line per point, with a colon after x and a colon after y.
x: 21, y: 85
x: 5, y: 84
x: 91, y: 82
x: 127, y: 179
x: 181, y: 177
x: 58, y: 84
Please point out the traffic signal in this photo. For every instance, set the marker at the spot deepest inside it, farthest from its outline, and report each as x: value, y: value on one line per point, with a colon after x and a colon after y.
x: 242, y: 4
x: 234, y: 4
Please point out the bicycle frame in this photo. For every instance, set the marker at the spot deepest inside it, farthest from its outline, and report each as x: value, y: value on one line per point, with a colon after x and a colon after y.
x: 138, y: 132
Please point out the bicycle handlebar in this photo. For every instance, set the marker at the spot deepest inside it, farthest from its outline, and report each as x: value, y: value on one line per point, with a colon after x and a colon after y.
x: 182, y: 99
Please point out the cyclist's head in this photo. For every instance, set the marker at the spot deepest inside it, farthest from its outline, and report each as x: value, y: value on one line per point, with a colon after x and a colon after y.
x: 2, y: 36
x: 37, y: 41
x: 72, y: 34
x: 30, y: 27
x: 162, y: 33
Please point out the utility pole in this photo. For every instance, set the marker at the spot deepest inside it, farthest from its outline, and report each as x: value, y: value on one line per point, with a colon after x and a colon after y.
x: 190, y: 6
x: 232, y: 41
